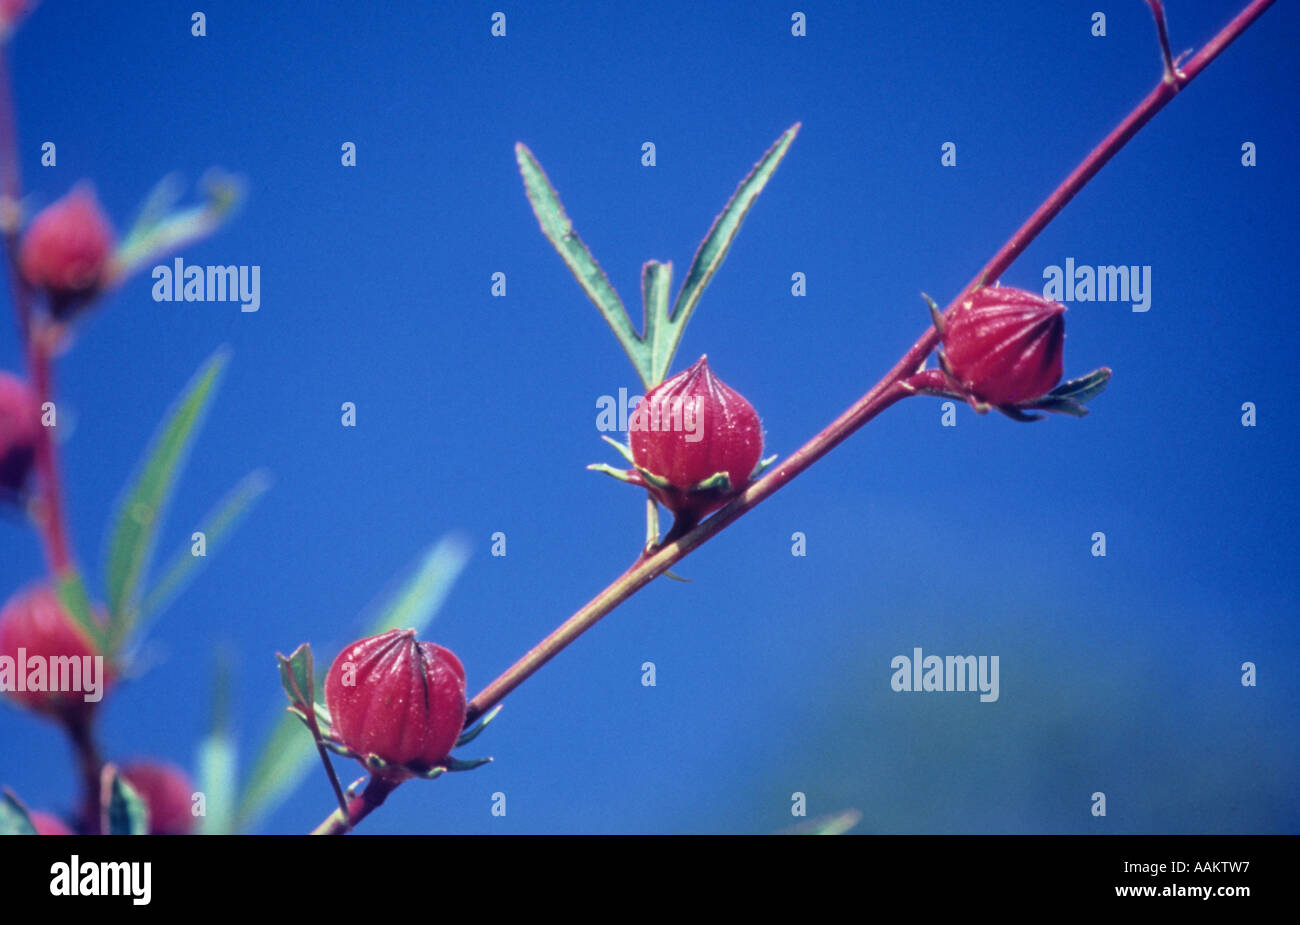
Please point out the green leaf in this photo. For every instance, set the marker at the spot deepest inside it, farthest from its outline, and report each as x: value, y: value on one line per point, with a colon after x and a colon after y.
x: 160, y: 230
x: 298, y: 677
x: 13, y: 816
x: 559, y: 231
x: 713, y: 250
x: 137, y: 521
x: 834, y: 824
x: 72, y: 595
x: 217, y: 759
x: 218, y: 782
x: 288, y: 753
x: 656, y: 278
x: 125, y: 812
x: 220, y: 521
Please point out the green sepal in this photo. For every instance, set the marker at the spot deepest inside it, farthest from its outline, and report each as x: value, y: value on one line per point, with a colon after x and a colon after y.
x: 936, y: 316
x: 620, y: 474
x: 455, y: 764
x: 623, y: 450
x: 658, y: 481
x: 718, y: 481
x: 1084, y: 389
x: 761, y: 466
x: 1014, y: 412
x: 473, y: 732
x: 14, y: 818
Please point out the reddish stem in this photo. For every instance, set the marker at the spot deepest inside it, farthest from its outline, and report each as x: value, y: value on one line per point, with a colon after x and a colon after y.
x: 358, y: 807
x: 81, y: 733
x: 50, y: 518
x: 39, y: 339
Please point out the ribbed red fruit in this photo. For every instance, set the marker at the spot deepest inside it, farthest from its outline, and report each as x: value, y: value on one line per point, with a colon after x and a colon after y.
x: 1006, y: 346
x: 690, y: 428
x: 398, y: 699
x: 66, y: 251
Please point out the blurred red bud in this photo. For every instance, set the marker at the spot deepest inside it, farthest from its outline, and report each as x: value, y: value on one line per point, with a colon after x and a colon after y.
x: 66, y: 251
x: 168, y: 793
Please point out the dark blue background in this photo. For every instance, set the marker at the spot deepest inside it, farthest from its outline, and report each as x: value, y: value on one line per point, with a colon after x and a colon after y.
x: 477, y: 414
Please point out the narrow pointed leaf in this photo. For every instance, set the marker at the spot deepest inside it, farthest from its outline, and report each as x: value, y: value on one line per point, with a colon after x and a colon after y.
x: 833, y: 824
x: 559, y: 231
x: 713, y: 250
x: 656, y: 279
x: 217, y: 760
x: 218, y: 781
x: 137, y: 522
x: 220, y: 521
x: 76, y: 602
x: 159, y: 230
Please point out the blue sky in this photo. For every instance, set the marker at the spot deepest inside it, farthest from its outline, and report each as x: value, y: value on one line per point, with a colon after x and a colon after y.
x: 477, y: 414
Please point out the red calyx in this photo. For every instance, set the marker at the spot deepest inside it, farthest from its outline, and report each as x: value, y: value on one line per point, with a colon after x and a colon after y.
x: 689, y: 429
x: 1005, y: 346
x: 66, y: 251
x: 396, y: 699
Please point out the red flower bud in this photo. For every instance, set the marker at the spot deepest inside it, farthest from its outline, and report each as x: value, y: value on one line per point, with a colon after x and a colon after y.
x: 20, y: 426
x: 1005, y: 346
x: 48, y: 824
x: 687, y: 430
x: 66, y: 251
x: 168, y: 793
x: 46, y: 663
x: 397, y: 700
